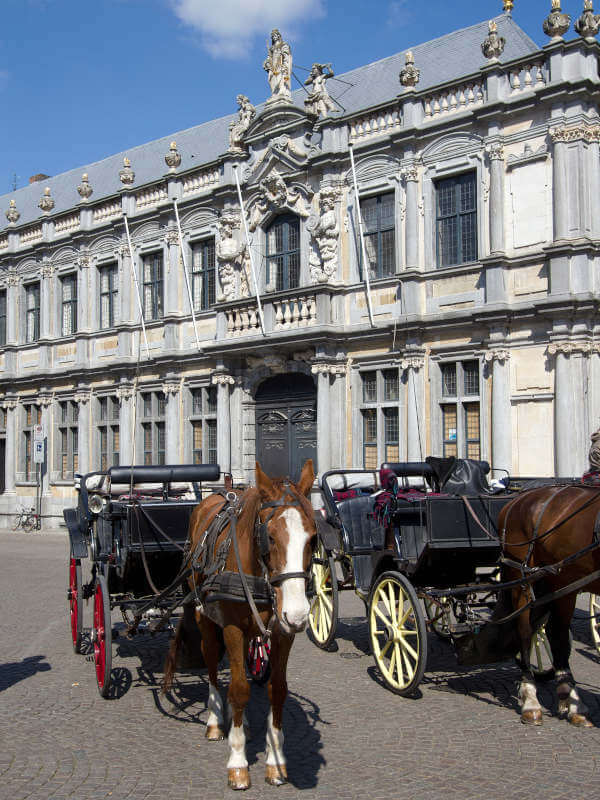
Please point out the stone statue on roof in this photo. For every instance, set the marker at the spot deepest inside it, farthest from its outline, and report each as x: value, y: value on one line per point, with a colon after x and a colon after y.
x: 278, y: 66
x: 319, y: 101
x: 238, y: 127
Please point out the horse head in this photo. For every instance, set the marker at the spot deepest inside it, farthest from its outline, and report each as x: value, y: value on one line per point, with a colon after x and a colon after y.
x: 287, y: 532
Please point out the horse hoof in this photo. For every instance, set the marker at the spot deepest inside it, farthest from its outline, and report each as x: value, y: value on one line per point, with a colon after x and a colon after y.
x: 214, y: 733
x: 276, y: 774
x: 238, y: 777
x: 580, y: 721
x: 533, y: 717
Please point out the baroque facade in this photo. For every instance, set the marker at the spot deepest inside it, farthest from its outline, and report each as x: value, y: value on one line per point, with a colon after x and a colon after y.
x: 474, y: 332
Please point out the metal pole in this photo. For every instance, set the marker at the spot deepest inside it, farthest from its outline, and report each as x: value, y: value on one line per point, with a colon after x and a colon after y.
x: 137, y: 285
x: 185, y: 272
x: 362, y: 239
x: 239, y: 191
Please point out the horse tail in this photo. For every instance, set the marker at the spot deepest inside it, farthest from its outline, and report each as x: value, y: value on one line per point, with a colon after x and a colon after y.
x: 171, y: 659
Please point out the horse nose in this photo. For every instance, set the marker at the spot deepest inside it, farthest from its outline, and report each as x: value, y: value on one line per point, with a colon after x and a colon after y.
x: 295, y: 623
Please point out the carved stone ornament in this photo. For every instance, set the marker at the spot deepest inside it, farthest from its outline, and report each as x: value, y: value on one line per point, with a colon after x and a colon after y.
x: 588, y: 23
x: 412, y: 362
x: 570, y: 348
x: 84, y: 189
x: 45, y: 400
x: 238, y: 127
x: 222, y: 379
x: 127, y: 175
x: 496, y: 355
x: 556, y: 23
x: 171, y: 237
x: 409, y: 74
x: 12, y: 215
x: 495, y: 151
x: 82, y: 396
x: 9, y: 405
x: 84, y: 261
x: 171, y: 386
x: 410, y: 173
x: 319, y: 103
x: 173, y: 157
x: 124, y: 392
x: 493, y: 45
x: 47, y: 270
x: 278, y: 66
x: 323, y: 259
x: 589, y: 133
x: 12, y: 278
x: 46, y: 201
x: 274, y: 194
x: 275, y: 363
x: 230, y: 254
x: 328, y: 369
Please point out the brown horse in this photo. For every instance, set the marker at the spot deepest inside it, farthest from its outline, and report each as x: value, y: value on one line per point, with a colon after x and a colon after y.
x: 552, y: 527
x: 275, y: 530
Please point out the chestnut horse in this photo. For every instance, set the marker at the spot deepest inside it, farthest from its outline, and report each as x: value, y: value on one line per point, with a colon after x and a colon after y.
x: 550, y: 532
x: 275, y: 531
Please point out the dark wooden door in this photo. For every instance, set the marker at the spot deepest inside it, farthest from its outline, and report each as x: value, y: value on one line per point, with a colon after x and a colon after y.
x: 286, y: 425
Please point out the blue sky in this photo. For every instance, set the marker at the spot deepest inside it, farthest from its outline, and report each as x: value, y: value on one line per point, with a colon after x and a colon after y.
x: 83, y: 79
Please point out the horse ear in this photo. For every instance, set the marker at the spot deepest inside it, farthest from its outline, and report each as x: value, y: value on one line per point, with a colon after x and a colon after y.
x: 264, y: 484
x: 307, y: 478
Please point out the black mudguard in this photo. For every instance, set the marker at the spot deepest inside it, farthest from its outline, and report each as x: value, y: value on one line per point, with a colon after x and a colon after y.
x: 76, y: 534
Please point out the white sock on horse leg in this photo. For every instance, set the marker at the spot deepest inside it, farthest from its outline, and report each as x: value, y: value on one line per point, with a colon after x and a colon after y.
x: 528, y: 696
x: 275, y: 755
x: 569, y: 701
x: 237, y: 742
x: 215, y: 707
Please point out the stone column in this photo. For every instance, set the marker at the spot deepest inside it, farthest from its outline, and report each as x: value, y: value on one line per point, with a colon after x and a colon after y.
x: 496, y: 209
x: 45, y: 400
x: 322, y: 371
x: 82, y: 398
x: 10, y: 405
x: 223, y: 382
x: 47, y: 315
x: 498, y: 361
x: 560, y: 183
x: 172, y: 389
x: 126, y: 399
x: 411, y: 178
x: 414, y: 365
x: 12, y: 320
x: 172, y: 280
x: 563, y: 410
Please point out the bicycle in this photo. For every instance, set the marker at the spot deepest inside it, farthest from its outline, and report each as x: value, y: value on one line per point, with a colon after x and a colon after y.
x: 26, y: 519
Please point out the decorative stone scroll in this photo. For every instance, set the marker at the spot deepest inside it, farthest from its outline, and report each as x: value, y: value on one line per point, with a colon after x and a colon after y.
x: 82, y: 396
x: 587, y: 133
x: 171, y: 386
x: 124, y: 392
x: 333, y: 368
x: 325, y: 232
x: 222, y: 379
x: 496, y: 355
x: 12, y: 277
x: 412, y: 362
x: 567, y: 348
x: 171, y: 237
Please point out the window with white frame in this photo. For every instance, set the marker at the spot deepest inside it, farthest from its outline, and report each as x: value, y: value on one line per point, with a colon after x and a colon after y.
x: 108, y: 277
x: 152, y: 266
x: 153, y: 413
x: 283, y: 253
x: 460, y: 409
x: 68, y: 289
x: 2, y: 317
x: 68, y: 439
x: 203, y: 274
x: 378, y: 216
x: 379, y: 413
x: 31, y: 416
x: 108, y: 431
x: 456, y: 204
x: 32, y: 312
x: 203, y: 422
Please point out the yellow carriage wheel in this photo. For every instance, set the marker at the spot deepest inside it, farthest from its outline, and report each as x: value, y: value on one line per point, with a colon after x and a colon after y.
x: 595, y: 619
x: 397, y: 633
x: 323, y: 614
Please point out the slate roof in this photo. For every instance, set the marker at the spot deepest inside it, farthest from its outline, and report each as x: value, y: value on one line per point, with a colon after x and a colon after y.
x: 440, y: 60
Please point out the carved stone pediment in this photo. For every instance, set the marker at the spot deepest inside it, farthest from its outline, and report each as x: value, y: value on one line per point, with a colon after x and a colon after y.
x: 276, y: 120
x: 283, y: 154
x: 276, y: 193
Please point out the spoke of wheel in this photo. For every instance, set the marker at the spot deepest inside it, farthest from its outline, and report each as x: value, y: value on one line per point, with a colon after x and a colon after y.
x: 384, y: 599
x: 406, y: 646
x: 410, y: 668
x: 392, y: 664
x: 405, y: 616
x: 393, y: 601
x: 325, y: 600
x: 384, y: 649
x: 399, y: 669
x: 386, y: 620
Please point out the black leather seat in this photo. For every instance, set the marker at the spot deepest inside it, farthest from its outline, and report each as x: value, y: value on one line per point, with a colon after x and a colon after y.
x: 362, y: 533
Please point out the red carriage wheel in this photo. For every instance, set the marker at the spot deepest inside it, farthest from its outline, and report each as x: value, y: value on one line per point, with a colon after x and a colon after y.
x: 75, y: 602
x: 102, y: 636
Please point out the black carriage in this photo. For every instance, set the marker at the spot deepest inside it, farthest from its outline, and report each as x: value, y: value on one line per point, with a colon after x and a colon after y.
x: 432, y: 539
x: 132, y: 523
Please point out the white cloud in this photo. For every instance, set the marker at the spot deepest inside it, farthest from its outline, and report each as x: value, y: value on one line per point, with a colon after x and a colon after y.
x: 227, y: 27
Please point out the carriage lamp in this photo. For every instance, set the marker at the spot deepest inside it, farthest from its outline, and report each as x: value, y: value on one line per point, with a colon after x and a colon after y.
x: 95, y: 503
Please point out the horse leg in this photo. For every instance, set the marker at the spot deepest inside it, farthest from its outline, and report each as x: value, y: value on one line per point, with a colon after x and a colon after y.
x: 531, y: 710
x: 570, y: 705
x: 210, y: 651
x: 238, y: 774
x: 276, y: 769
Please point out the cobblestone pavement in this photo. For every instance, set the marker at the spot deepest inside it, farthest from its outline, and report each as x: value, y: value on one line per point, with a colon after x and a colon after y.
x: 346, y: 736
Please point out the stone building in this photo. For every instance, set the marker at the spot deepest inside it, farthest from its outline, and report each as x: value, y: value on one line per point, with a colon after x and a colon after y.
x: 474, y: 331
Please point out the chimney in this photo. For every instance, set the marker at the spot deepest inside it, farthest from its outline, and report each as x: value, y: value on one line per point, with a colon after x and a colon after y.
x: 39, y: 177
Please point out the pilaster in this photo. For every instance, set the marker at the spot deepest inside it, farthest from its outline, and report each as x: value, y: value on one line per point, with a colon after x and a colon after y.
x: 126, y: 397
x: 223, y: 382
x: 413, y: 365
x: 172, y: 390
x: 498, y: 361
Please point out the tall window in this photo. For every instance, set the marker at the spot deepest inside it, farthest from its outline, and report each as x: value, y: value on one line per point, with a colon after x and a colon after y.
x: 69, y: 304
x: 32, y: 415
x: 68, y: 439
x: 3, y: 317
x: 460, y: 409
x: 154, y: 406
x: 153, y: 286
x: 203, y: 274
x: 108, y: 431
x: 203, y: 420
x: 456, y: 220
x: 379, y: 232
x: 32, y: 310
x: 380, y: 423
x: 283, y: 253
x: 108, y: 295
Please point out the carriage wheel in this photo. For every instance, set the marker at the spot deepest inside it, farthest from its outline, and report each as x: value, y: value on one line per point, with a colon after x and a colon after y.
x: 323, y: 614
x: 595, y: 619
x: 439, y: 616
x: 75, y: 602
x: 397, y: 633
x: 102, y: 636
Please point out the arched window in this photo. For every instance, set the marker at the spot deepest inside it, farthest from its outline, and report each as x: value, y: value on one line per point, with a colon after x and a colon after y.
x: 283, y: 253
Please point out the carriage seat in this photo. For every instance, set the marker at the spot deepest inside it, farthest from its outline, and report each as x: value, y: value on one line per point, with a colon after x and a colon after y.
x: 361, y: 531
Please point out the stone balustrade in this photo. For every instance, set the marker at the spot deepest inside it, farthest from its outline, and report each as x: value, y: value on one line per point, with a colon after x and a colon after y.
x: 67, y: 224
x: 3, y: 242
x: 200, y: 181
x: 378, y: 123
x: 243, y: 320
x: 527, y: 77
x: 31, y: 235
x: 107, y: 211
x: 151, y: 196
x: 295, y: 312
x: 456, y: 98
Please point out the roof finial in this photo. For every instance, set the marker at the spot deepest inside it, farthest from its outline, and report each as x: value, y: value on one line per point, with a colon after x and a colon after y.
x: 588, y: 23
x: 556, y: 23
x: 508, y: 6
